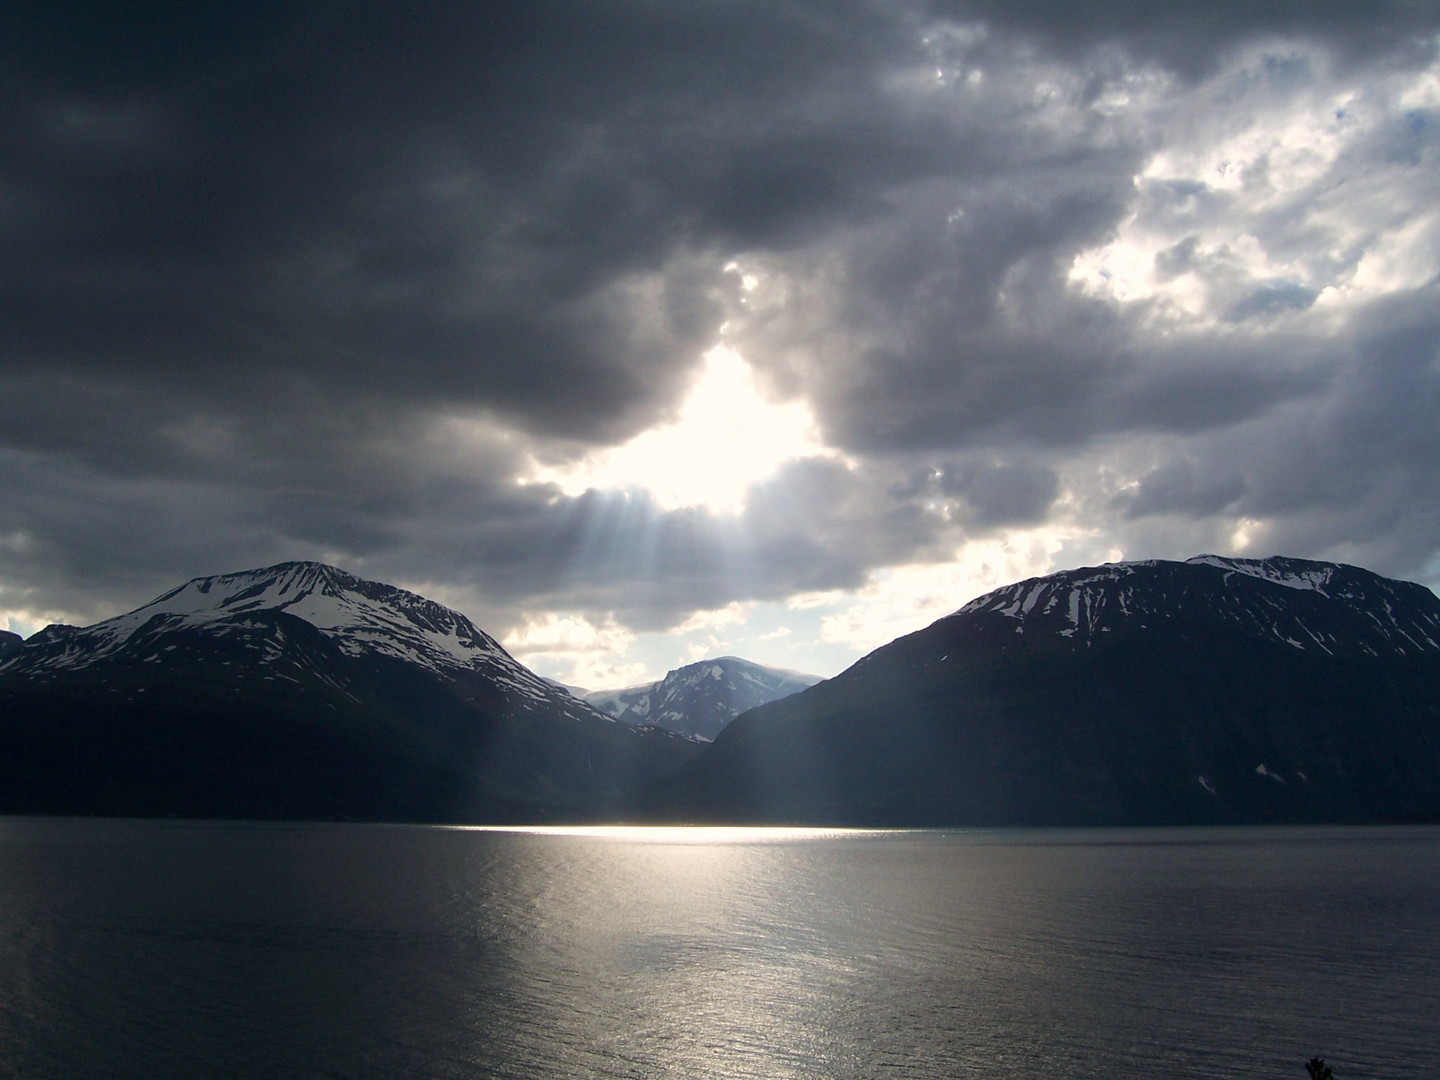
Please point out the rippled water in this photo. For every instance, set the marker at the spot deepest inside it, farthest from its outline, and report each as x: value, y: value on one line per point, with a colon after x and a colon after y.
x: 168, y: 949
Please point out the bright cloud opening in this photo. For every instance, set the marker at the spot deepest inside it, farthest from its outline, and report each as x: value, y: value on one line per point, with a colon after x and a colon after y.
x: 24, y: 623
x: 902, y: 599
x: 728, y: 437
x: 1282, y: 196
x: 557, y: 632
x: 574, y: 650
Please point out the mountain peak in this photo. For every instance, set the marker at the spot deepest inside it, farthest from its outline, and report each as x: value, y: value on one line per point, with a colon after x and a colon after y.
x: 1375, y: 613
x: 699, y: 699
x: 364, y: 618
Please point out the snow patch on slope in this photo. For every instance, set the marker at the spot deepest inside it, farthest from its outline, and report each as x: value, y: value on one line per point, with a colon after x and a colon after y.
x: 1291, y: 573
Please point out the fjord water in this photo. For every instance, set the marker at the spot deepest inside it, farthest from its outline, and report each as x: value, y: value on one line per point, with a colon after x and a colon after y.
x: 174, y: 949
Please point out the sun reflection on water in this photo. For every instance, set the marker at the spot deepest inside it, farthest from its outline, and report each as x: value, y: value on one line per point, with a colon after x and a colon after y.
x: 682, y: 834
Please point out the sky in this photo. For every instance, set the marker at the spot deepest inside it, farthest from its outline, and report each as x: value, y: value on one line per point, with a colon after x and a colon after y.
x: 643, y: 331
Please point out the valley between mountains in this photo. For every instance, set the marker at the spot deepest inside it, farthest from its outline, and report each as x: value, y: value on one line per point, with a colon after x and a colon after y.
x: 1210, y: 691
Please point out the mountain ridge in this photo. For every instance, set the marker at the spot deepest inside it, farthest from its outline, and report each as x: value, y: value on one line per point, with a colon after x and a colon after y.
x: 329, y: 695
x: 1212, y: 691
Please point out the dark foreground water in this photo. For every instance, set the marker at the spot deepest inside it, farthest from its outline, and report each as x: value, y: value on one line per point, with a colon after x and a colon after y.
x: 166, y: 949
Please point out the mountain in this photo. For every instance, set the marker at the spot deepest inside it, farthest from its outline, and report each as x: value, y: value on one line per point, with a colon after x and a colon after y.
x: 9, y: 642
x: 1210, y: 691
x: 303, y: 691
x: 700, y: 699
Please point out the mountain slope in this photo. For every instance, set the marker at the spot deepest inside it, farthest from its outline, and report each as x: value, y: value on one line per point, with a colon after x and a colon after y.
x: 302, y: 691
x: 1210, y: 691
x: 700, y: 699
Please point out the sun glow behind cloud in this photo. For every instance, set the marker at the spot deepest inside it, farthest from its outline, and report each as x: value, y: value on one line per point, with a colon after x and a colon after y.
x: 727, y: 438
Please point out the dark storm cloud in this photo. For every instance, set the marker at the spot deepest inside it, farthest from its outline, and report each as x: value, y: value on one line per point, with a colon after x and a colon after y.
x: 910, y: 343
x: 1369, y: 460
x: 1353, y: 472
x: 1272, y: 298
x: 1179, y: 487
x: 1016, y: 493
x: 1190, y: 37
x: 320, y: 280
x: 1181, y: 392
x: 504, y: 206
x: 456, y: 202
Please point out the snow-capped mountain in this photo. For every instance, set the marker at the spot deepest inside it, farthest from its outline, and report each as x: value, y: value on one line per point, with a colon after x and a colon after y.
x: 700, y: 699
x: 302, y: 690
x: 1215, y: 690
x: 1347, y: 608
x: 365, y: 619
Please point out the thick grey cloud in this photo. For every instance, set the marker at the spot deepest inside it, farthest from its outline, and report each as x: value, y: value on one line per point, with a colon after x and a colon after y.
x: 328, y: 280
x: 427, y: 201
x: 1192, y: 38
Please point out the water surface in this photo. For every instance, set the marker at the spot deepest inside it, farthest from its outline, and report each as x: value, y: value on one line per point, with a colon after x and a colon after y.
x: 175, y: 949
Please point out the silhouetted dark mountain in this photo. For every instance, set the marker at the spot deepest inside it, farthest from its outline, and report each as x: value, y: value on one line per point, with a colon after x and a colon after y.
x: 9, y: 643
x: 303, y: 691
x: 1209, y: 691
x: 700, y: 699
